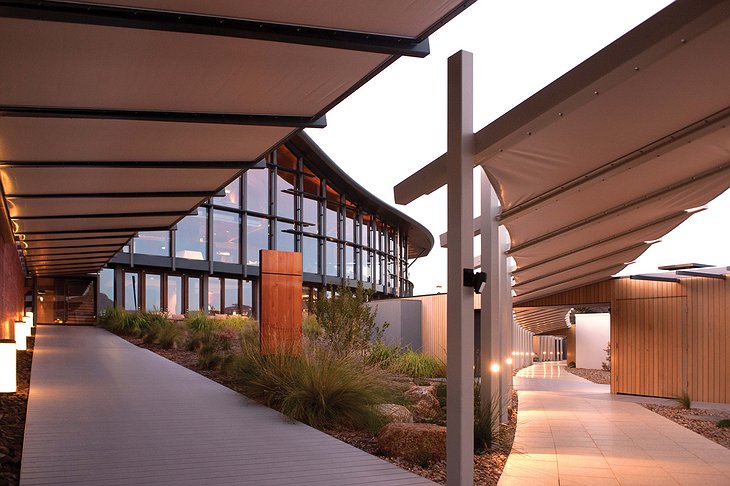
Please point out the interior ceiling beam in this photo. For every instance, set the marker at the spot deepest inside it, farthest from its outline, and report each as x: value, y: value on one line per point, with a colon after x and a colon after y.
x: 114, y: 195
x: 164, y: 116
x: 104, y: 215
x: 134, y: 164
x: 63, y: 247
x: 634, y: 159
x: 160, y: 20
x: 102, y: 230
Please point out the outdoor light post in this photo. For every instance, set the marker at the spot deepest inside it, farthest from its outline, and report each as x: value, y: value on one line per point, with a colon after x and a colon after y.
x: 8, y: 367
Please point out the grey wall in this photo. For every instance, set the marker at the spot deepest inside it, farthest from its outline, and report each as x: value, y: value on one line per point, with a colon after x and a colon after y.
x: 404, y: 317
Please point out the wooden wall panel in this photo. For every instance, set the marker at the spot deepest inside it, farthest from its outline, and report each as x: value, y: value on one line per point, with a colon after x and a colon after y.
x: 280, y: 305
x: 664, y: 348
x: 433, y: 324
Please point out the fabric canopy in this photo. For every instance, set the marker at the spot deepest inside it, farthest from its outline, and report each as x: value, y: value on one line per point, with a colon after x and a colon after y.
x: 542, y: 319
x: 610, y: 157
x: 119, y: 117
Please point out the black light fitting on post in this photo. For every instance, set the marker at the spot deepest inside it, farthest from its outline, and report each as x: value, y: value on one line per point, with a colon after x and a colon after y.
x: 475, y: 280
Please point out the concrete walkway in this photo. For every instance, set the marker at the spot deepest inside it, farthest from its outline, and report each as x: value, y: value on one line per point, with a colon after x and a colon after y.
x: 573, y: 432
x: 104, y: 412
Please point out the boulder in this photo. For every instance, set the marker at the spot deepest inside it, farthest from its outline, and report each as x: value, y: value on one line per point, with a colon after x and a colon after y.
x: 423, y: 403
x: 419, y: 443
x: 395, y: 413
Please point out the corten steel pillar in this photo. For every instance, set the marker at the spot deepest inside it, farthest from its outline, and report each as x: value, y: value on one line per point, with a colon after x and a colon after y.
x: 490, y: 329
x: 460, y: 300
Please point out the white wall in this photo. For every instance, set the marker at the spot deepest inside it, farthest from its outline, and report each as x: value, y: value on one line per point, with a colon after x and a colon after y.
x: 592, y: 334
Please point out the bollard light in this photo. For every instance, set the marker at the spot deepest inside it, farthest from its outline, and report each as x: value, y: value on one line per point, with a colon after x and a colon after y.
x: 8, y: 383
x: 508, y: 361
x: 494, y: 367
x: 21, y: 333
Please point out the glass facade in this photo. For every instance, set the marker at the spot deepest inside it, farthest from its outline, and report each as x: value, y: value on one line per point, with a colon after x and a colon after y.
x: 106, y: 289
x: 287, y: 205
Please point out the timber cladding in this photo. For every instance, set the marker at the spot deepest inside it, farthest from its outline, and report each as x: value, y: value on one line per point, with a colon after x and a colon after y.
x: 666, y: 337
x: 280, y: 305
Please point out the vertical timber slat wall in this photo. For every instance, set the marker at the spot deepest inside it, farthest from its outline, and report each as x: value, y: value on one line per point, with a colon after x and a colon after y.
x: 666, y: 337
x: 280, y: 306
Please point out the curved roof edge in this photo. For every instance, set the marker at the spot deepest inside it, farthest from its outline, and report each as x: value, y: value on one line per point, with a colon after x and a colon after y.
x: 420, y: 239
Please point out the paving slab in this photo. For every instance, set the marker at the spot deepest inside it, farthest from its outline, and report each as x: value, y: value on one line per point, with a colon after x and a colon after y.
x: 574, y: 432
x: 102, y: 411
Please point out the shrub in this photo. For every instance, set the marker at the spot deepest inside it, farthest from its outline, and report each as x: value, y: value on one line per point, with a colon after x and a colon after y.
x: 607, y: 364
x: 683, y: 399
x: 208, y: 358
x: 310, y: 327
x: 383, y: 355
x: 197, y: 322
x: 171, y: 335
x: 113, y: 319
x: 571, y: 364
x: 418, y: 365
x: 319, y: 388
x: 348, y: 323
x: 486, y: 421
x: 723, y: 423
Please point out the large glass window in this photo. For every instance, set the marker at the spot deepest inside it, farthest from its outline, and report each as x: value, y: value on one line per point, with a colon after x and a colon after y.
x: 257, y: 190
x: 285, y: 237
x: 174, y: 294
x: 193, y: 294
x: 152, y: 292
x: 231, y: 297
x: 232, y: 195
x: 257, y: 238
x: 214, y: 295
x: 350, y: 225
x: 106, y: 288
x: 285, y: 185
x: 247, y: 304
x: 333, y: 268
x: 226, y: 236
x: 310, y: 215
x: 349, y: 262
x: 131, y: 291
x: 191, y: 236
x: 153, y: 243
x: 310, y: 254
x: 366, y: 266
x: 332, y: 216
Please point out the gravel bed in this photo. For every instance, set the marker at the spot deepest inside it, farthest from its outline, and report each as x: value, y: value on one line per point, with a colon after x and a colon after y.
x: 602, y: 377
x: 12, y: 420
x: 697, y: 420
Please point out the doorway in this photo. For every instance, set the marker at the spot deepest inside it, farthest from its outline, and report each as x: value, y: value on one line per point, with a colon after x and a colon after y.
x: 69, y: 301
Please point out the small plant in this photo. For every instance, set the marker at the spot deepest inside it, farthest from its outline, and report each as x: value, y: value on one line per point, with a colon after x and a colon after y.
x: 486, y: 422
x: 208, y: 358
x: 383, y: 355
x: 418, y: 365
x: 310, y: 326
x: 683, y: 399
x: 607, y: 364
x: 198, y: 322
x: 113, y: 319
x: 170, y: 336
x: 348, y: 322
x: 723, y: 423
x: 571, y: 364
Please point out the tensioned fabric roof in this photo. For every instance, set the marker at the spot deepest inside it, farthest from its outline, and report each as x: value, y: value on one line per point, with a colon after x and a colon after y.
x: 542, y: 319
x: 601, y: 163
x: 118, y: 117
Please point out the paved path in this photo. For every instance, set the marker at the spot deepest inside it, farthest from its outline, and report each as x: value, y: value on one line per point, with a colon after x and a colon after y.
x: 105, y: 412
x: 573, y: 432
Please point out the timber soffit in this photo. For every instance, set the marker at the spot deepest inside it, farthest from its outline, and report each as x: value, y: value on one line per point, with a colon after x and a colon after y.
x: 82, y: 119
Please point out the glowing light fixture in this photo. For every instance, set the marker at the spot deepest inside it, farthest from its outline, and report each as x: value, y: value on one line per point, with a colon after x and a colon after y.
x: 21, y: 333
x: 495, y: 367
x: 8, y: 383
x: 508, y: 361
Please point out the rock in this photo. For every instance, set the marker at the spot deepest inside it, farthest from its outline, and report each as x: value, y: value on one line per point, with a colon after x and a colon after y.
x: 424, y: 404
x: 395, y: 413
x: 418, y: 443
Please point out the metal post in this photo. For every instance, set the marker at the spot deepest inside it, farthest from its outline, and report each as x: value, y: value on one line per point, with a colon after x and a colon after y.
x: 505, y: 309
x: 460, y: 300
x: 490, y: 315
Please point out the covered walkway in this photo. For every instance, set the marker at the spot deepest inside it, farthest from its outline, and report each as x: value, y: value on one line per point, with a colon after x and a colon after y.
x: 573, y: 432
x: 104, y: 412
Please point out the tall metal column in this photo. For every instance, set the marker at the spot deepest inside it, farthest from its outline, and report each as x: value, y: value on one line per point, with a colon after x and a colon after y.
x: 460, y: 300
x: 490, y: 328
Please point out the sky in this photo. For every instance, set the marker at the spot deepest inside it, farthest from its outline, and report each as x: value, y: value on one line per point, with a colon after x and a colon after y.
x: 396, y: 123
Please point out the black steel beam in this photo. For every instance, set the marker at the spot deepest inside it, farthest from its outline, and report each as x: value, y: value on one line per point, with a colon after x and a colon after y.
x: 132, y: 164
x: 104, y: 215
x: 655, y: 278
x: 62, y: 247
x: 691, y: 273
x: 160, y: 20
x: 110, y: 252
x: 127, y: 236
x: 164, y: 116
x: 75, y: 263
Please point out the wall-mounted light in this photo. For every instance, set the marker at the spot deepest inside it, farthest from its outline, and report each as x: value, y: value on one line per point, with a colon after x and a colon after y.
x: 475, y: 280
x: 508, y: 361
x: 8, y: 382
x: 494, y: 367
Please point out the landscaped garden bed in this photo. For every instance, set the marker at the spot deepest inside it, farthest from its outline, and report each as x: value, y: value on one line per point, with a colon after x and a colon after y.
x: 378, y: 398
x: 602, y: 377
x: 12, y: 420
x: 705, y: 422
